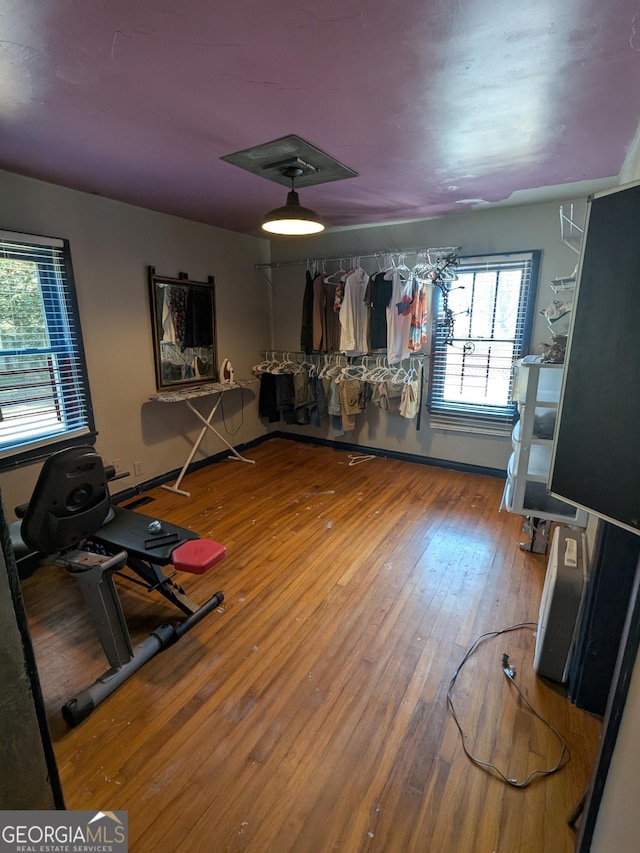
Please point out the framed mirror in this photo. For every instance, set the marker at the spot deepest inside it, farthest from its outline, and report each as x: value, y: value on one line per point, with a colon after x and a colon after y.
x: 183, y: 321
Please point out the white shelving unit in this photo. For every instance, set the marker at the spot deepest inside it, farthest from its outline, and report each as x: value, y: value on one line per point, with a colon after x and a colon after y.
x: 537, y: 393
x: 571, y: 233
x: 563, y: 285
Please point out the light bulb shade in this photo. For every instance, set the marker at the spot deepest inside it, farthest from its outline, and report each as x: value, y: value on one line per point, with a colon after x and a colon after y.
x: 292, y: 218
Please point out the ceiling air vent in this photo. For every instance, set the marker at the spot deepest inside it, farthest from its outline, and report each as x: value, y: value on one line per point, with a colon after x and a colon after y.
x: 272, y: 160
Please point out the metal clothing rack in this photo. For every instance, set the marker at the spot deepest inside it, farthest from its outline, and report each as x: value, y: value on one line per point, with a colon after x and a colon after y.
x: 299, y: 359
x: 294, y: 362
x: 436, y: 261
x: 437, y: 253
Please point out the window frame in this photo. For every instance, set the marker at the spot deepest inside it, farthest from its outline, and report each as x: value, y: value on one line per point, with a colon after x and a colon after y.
x: 60, y: 307
x: 467, y: 416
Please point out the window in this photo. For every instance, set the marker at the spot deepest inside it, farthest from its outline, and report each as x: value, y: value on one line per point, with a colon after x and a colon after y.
x: 482, y: 323
x: 44, y: 391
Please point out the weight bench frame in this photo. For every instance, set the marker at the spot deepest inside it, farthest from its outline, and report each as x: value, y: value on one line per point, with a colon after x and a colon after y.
x: 95, y: 574
x: 70, y: 514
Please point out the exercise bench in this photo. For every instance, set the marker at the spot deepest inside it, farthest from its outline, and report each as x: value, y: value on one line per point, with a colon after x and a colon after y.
x: 70, y: 518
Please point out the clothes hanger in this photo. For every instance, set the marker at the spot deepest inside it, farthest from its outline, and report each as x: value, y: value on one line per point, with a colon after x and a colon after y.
x: 356, y: 460
x: 263, y: 366
x: 402, y: 269
x: 366, y: 367
x: 307, y: 365
x: 390, y: 267
x: 336, y: 368
x: 272, y: 362
x: 330, y: 279
x: 401, y: 266
x: 351, y: 371
x: 324, y: 370
x: 287, y: 365
x: 377, y: 373
x: 411, y: 376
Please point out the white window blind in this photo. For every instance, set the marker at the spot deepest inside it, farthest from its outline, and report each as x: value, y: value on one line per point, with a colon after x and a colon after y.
x: 482, y: 325
x: 44, y: 394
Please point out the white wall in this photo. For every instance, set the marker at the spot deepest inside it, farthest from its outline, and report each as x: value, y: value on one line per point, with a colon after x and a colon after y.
x: 477, y: 232
x: 111, y: 246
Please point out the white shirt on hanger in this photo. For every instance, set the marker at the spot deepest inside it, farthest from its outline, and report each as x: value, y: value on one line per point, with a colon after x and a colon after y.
x: 399, y: 318
x: 354, y: 314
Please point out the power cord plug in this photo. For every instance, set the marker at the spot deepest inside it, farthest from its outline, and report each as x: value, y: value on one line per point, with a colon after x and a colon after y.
x: 509, y: 671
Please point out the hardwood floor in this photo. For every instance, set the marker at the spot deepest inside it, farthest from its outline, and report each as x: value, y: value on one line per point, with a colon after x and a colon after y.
x: 309, y: 712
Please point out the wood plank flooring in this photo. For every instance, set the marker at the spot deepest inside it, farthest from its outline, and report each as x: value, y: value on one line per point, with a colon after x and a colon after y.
x: 309, y: 712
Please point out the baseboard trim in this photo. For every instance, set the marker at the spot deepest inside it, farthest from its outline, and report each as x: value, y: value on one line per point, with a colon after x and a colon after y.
x: 465, y: 467
x: 393, y: 454
x: 172, y: 475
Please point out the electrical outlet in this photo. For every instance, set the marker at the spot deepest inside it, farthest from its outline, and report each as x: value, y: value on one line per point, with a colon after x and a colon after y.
x: 117, y: 464
x: 138, y: 469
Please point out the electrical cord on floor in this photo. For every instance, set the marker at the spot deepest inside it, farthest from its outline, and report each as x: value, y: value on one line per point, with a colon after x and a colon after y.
x: 510, y: 674
x: 224, y: 420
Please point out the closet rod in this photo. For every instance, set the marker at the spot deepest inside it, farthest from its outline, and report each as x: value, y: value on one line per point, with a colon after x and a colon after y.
x: 380, y: 253
x: 321, y: 355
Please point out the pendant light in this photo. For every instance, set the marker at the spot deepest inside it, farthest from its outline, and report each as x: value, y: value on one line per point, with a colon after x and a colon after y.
x: 292, y: 219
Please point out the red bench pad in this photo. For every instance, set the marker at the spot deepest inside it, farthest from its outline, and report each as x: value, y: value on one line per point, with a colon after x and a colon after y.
x: 197, y: 556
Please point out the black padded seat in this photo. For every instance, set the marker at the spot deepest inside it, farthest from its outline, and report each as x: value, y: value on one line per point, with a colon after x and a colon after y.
x: 129, y: 530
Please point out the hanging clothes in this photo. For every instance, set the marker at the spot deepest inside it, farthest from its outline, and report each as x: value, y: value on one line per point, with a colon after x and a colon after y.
x: 198, y: 327
x: 377, y: 298
x: 319, y: 411
x: 303, y: 396
x: 306, y: 389
x: 410, y: 399
x: 339, y: 294
x: 319, y: 321
x: 306, y: 332
x: 285, y: 396
x: 168, y: 328
x: 349, y: 392
x: 334, y: 408
x: 388, y: 395
x: 267, y: 401
x: 418, y: 333
x: 331, y: 316
x: 354, y: 315
x: 399, y: 317
x: 178, y: 307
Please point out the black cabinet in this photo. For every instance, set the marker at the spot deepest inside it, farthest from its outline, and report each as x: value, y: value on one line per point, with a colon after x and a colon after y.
x: 613, y: 568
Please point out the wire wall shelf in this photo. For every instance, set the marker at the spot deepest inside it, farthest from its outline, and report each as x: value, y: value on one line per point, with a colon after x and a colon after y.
x: 570, y: 232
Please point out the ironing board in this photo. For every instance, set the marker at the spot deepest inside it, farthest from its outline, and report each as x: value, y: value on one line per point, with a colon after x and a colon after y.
x: 186, y: 395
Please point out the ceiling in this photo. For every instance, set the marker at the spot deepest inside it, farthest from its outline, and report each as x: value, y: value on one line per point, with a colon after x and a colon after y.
x: 439, y: 105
